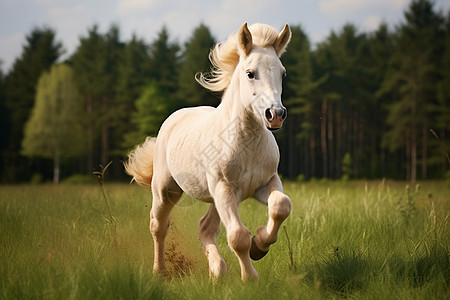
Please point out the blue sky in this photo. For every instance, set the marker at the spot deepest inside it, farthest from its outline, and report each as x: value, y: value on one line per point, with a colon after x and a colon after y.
x: 72, y: 18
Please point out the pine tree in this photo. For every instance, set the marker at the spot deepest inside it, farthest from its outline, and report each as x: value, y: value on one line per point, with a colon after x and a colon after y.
x: 89, y: 64
x: 53, y: 130
x: 114, y: 54
x: 134, y: 76
x: 344, y: 101
x: 4, y: 116
x: 40, y: 51
x: 195, y: 60
x: 164, y: 62
x: 413, y: 74
x: 381, y: 46
x: 152, y: 108
x: 298, y: 87
x: 96, y: 65
x: 442, y: 121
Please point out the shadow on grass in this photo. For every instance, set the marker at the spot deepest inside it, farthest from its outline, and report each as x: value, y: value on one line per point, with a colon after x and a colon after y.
x: 424, y: 268
x: 341, y: 272
x: 346, y: 272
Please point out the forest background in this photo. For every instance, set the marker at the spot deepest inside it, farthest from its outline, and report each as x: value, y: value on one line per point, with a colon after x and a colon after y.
x: 360, y: 105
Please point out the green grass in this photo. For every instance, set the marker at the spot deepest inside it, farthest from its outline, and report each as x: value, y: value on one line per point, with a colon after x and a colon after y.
x: 375, y: 240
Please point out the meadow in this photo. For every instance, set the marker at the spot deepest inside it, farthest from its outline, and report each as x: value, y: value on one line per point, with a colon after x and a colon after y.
x: 355, y: 239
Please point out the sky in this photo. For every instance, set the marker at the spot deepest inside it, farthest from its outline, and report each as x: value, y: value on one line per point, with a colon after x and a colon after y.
x: 145, y: 18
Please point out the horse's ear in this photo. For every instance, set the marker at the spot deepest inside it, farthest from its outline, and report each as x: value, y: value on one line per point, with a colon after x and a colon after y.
x: 282, y: 40
x: 245, y: 39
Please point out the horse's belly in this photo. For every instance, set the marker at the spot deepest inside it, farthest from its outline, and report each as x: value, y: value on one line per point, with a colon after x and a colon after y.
x: 251, y: 185
x: 193, y: 186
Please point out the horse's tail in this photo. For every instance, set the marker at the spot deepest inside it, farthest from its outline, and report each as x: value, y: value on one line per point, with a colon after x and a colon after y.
x: 140, y: 162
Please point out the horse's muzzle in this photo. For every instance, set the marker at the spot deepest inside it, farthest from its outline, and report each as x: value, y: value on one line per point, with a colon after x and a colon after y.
x: 276, y: 117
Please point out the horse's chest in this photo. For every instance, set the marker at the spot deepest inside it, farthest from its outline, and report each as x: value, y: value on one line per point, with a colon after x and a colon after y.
x: 249, y: 173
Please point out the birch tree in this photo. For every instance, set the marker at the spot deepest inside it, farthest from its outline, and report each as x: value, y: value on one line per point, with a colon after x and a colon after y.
x: 54, y: 130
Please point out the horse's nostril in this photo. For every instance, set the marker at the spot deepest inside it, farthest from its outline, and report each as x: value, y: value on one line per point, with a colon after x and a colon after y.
x: 269, y: 114
x: 284, y: 115
x: 281, y: 112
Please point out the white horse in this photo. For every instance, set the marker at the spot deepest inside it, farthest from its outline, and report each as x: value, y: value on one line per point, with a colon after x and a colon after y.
x: 223, y: 155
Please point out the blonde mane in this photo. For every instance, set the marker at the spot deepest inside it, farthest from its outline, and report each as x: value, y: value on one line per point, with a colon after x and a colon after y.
x: 224, y: 57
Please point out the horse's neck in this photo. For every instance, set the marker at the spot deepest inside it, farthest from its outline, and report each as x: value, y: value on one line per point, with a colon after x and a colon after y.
x: 240, y: 122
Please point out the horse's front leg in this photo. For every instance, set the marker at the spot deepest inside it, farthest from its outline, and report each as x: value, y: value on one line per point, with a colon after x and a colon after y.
x: 279, y: 209
x: 238, y: 236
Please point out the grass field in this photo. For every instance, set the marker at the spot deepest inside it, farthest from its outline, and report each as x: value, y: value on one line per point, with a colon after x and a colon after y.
x: 374, y: 240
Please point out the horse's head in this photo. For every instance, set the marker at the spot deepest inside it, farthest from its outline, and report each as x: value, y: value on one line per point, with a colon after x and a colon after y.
x: 261, y: 72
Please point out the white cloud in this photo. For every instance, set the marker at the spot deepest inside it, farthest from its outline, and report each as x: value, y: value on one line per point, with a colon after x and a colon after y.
x: 131, y: 6
x: 367, y: 15
x: 231, y: 14
x: 181, y: 17
x: 351, y: 8
x: 372, y: 22
x: 11, y: 46
x: 399, y: 4
x: 69, y: 20
x: 50, y: 2
x: 338, y: 7
x: 8, y: 3
x: 66, y: 12
x: 318, y: 37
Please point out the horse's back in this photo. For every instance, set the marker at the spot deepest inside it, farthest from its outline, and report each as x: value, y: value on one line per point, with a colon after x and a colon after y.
x: 189, y: 116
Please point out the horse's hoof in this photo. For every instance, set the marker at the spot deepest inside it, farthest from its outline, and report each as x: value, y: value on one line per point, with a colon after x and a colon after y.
x: 255, y: 252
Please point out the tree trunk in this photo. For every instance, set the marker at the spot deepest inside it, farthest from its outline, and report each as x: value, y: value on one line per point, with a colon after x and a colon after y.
x: 374, y: 157
x: 89, y: 135
x: 306, y: 160
x: 339, y: 152
x: 312, y: 154
x: 354, y: 145
x: 413, y: 155
x: 331, y: 168
x: 363, y: 156
x: 424, y: 152
x: 346, y: 147
x: 408, y: 156
x: 291, y: 149
x: 56, y: 167
x: 323, y: 139
x: 105, y: 132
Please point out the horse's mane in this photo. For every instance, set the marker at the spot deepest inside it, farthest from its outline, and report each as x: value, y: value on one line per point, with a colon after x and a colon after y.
x: 224, y: 57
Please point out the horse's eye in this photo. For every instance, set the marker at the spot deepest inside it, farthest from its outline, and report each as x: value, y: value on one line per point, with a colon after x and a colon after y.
x: 250, y: 75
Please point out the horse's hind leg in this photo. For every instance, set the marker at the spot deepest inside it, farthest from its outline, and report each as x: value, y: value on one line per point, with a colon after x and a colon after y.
x: 164, y: 199
x: 279, y: 209
x: 209, y: 227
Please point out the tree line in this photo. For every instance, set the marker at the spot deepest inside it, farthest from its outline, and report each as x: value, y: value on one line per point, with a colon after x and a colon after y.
x: 360, y: 105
